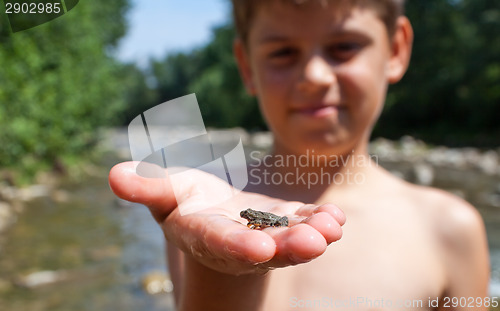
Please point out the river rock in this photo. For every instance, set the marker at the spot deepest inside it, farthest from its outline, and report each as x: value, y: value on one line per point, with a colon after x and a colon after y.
x: 458, y: 192
x: 443, y: 156
x: 40, y: 278
x: 7, y: 216
x: 489, y: 162
x: 437, y: 156
x: 228, y: 136
x: 456, y: 158
x: 157, y: 282
x: 262, y: 140
x: 492, y: 199
x: 472, y: 156
x: 60, y: 196
x: 495, y: 200
x: 411, y: 148
x: 33, y: 192
x: 424, y: 174
x: 384, y: 148
x: 8, y: 193
x: 399, y: 174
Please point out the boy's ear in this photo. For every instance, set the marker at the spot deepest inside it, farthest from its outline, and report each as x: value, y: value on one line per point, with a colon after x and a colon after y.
x: 401, y: 46
x: 244, y: 67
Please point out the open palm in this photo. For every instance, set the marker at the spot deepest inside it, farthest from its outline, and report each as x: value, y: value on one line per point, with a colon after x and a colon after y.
x: 215, y: 235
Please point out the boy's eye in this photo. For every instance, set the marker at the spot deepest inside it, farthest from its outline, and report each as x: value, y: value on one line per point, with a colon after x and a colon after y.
x: 344, y: 50
x: 282, y: 52
x: 283, y: 55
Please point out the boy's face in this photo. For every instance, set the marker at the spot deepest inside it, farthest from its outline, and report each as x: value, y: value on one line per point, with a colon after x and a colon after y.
x: 320, y: 77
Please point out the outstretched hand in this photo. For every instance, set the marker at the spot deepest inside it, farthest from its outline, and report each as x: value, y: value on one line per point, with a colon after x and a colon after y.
x: 216, y: 236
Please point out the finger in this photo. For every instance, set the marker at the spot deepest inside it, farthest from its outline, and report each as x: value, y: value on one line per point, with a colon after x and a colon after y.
x: 326, y: 225
x: 309, y: 209
x: 156, y: 193
x: 306, y: 210
x: 298, y: 244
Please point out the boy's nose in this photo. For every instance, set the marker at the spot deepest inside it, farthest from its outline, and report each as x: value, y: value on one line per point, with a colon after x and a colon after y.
x: 317, y: 74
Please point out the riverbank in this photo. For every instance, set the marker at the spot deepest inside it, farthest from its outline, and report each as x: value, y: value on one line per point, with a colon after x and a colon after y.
x: 75, y: 246
x: 406, y: 149
x: 13, y: 199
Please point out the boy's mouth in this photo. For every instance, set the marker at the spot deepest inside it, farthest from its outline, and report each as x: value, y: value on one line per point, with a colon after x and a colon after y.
x: 318, y: 111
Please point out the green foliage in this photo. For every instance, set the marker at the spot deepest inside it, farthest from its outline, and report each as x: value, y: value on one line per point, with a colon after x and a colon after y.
x: 211, y: 73
x: 138, y: 95
x: 58, y: 85
x: 451, y: 92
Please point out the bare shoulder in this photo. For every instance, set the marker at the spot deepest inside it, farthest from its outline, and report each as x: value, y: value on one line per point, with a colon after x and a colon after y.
x: 459, y: 235
x: 454, y: 220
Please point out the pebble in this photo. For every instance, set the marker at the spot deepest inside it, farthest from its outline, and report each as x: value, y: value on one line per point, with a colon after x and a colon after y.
x: 24, y: 194
x: 157, y: 282
x: 471, y: 155
x: 7, y: 216
x: 8, y: 193
x: 398, y: 174
x: 458, y: 193
x: 411, y: 150
x: 437, y: 156
x: 60, y: 196
x: 383, y: 148
x: 410, y: 147
x: 40, y: 278
x: 492, y: 199
x: 489, y: 162
x: 221, y: 136
x: 262, y: 140
x: 424, y: 174
x: 456, y: 158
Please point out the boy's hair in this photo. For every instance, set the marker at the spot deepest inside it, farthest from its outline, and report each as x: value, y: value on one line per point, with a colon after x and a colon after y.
x: 387, y: 10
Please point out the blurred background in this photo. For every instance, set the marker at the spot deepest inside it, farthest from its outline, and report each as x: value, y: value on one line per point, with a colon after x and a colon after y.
x: 69, y: 87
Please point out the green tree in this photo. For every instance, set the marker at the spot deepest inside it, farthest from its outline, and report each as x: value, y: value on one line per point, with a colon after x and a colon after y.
x: 139, y: 96
x: 212, y: 74
x: 450, y: 94
x: 59, y: 84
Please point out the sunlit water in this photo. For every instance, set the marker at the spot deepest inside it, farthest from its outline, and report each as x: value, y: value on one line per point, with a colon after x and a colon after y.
x: 104, y: 247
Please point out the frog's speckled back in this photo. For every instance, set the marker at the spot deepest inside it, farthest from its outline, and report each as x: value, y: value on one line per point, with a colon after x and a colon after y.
x: 258, y: 219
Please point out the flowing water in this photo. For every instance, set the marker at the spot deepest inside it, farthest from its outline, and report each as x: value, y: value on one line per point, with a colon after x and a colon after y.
x: 92, y: 254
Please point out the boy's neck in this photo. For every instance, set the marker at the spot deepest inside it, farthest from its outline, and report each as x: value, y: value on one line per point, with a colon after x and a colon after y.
x: 284, y: 174
x: 343, y: 168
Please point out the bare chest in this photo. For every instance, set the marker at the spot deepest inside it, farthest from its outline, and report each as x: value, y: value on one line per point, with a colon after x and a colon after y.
x: 370, y: 268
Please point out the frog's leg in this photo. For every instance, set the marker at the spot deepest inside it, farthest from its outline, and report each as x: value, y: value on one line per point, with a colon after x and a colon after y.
x: 284, y: 221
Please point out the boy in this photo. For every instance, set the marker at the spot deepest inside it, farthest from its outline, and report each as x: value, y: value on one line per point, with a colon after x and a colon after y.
x: 320, y: 70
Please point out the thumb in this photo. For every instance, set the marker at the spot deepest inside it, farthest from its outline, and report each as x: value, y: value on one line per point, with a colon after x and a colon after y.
x: 156, y: 193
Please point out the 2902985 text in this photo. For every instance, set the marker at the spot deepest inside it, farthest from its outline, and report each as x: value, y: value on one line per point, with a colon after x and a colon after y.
x: 33, y: 8
x: 388, y: 304
x: 468, y: 302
